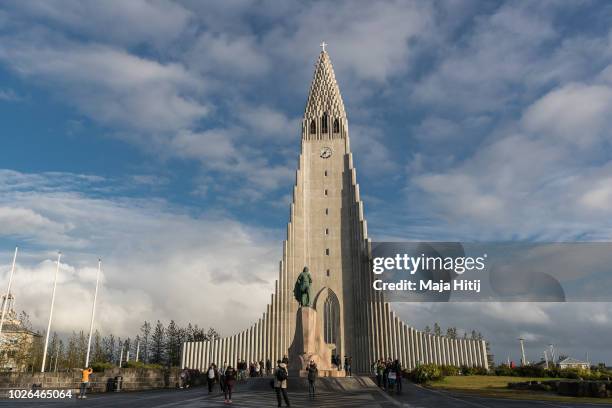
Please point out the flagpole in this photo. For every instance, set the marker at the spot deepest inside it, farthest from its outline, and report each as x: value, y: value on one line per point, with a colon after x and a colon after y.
x: 42, y: 368
x: 8, y: 290
x: 93, y: 313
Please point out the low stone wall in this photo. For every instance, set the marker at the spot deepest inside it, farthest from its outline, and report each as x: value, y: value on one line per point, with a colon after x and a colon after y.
x: 134, y: 379
x: 572, y: 388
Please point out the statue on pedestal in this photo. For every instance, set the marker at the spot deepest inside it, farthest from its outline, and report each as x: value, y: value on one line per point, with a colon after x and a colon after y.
x: 308, y: 344
x: 301, y: 291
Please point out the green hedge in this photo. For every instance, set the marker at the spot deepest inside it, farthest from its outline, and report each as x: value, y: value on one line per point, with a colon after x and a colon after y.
x: 99, y: 366
x: 425, y: 373
x: 140, y: 364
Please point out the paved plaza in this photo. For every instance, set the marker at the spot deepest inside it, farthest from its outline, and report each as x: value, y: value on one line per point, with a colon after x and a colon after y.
x: 257, y: 393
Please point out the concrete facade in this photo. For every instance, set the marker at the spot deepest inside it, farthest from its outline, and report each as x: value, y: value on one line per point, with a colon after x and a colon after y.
x: 328, y: 233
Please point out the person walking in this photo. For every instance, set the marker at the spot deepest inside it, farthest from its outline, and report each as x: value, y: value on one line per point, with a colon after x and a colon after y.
x: 313, y: 373
x: 210, y: 377
x: 85, y: 373
x: 398, y: 374
x: 221, y: 376
x: 268, y: 367
x: 280, y: 383
x: 230, y: 381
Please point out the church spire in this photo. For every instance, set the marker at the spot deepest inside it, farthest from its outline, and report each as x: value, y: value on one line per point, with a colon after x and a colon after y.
x: 324, y: 96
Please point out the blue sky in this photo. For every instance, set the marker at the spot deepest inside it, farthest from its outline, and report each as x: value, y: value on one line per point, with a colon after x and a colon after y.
x: 164, y: 137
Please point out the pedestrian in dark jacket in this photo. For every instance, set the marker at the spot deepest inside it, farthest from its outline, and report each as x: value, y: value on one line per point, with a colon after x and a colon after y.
x: 313, y: 373
x: 268, y: 367
x: 230, y: 381
x: 398, y: 375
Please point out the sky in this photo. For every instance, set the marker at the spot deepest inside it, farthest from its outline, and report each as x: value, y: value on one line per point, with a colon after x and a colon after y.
x: 164, y: 136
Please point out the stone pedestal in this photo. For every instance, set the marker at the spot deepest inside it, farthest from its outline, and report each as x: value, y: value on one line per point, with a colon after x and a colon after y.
x: 308, y: 344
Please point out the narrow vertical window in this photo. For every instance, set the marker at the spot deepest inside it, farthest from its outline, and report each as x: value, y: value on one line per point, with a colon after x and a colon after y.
x: 324, y: 123
x: 326, y: 211
x: 336, y: 126
x: 325, y: 173
x: 328, y: 272
x: 325, y: 191
x: 326, y: 251
x: 326, y: 231
x: 313, y: 127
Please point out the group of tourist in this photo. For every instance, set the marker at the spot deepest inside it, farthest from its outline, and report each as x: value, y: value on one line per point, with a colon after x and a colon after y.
x: 253, y: 369
x: 348, y: 363
x: 388, y: 374
x: 226, y: 376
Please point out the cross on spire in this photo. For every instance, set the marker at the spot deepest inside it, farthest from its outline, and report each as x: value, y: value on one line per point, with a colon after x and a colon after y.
x: 323, y: 45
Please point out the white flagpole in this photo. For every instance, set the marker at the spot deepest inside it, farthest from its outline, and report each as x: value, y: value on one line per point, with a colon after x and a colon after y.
x: 121, y: 356
x: 42, y: 369
x: 137, y: 349
x: 93, y: 313
x: 8, y: 290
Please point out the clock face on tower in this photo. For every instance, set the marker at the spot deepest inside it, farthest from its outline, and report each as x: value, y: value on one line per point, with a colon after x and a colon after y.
x: 326, y: 152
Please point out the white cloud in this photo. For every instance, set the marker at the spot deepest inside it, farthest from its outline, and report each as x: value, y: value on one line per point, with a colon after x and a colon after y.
x: 224, y: 55
x: 579, y: 114
x: 158, y: 261
x: 369, y: 41
x: 112, y: 86
x: 266, y: 123
x: 134, y: 22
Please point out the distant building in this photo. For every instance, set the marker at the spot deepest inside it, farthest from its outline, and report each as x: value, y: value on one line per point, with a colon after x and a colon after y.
x: 16, y: 341
x: 573, y: 363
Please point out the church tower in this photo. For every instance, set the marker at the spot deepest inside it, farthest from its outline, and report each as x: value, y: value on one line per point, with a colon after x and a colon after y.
x: 327, y: 232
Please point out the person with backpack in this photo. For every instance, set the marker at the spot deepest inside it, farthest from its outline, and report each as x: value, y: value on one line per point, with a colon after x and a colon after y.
x: 280, y: 383
x: 313, y: 373
x: 230, y: 381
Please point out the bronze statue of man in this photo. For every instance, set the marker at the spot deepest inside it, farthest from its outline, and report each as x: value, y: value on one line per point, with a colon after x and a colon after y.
x: 302, y: 288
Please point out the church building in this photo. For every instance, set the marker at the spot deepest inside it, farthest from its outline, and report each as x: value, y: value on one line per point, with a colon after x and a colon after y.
x: 327, y: 232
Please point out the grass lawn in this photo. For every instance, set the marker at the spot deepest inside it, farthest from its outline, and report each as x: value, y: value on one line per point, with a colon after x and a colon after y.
x: 494, y: 386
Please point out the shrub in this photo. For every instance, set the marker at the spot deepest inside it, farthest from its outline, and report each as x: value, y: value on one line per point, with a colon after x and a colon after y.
x: 505, y: 371
x: 531, y: 371
x: 140, y: 364
x: 425, y: 373
x: 99, y: 366
x: 449, y: 370
x: 465, y: 370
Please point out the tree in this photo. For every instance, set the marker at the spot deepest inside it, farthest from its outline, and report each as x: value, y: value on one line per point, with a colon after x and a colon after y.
x: 97, y: 352
x: 174, y: 340
x: 436, y: 329
x: 451, y: 332
x: 108, y: 347
x: 145, y: 331
x: 157, y: 344
x: 24, y: 320
x: 212, y: 334
x: 427, y: 330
